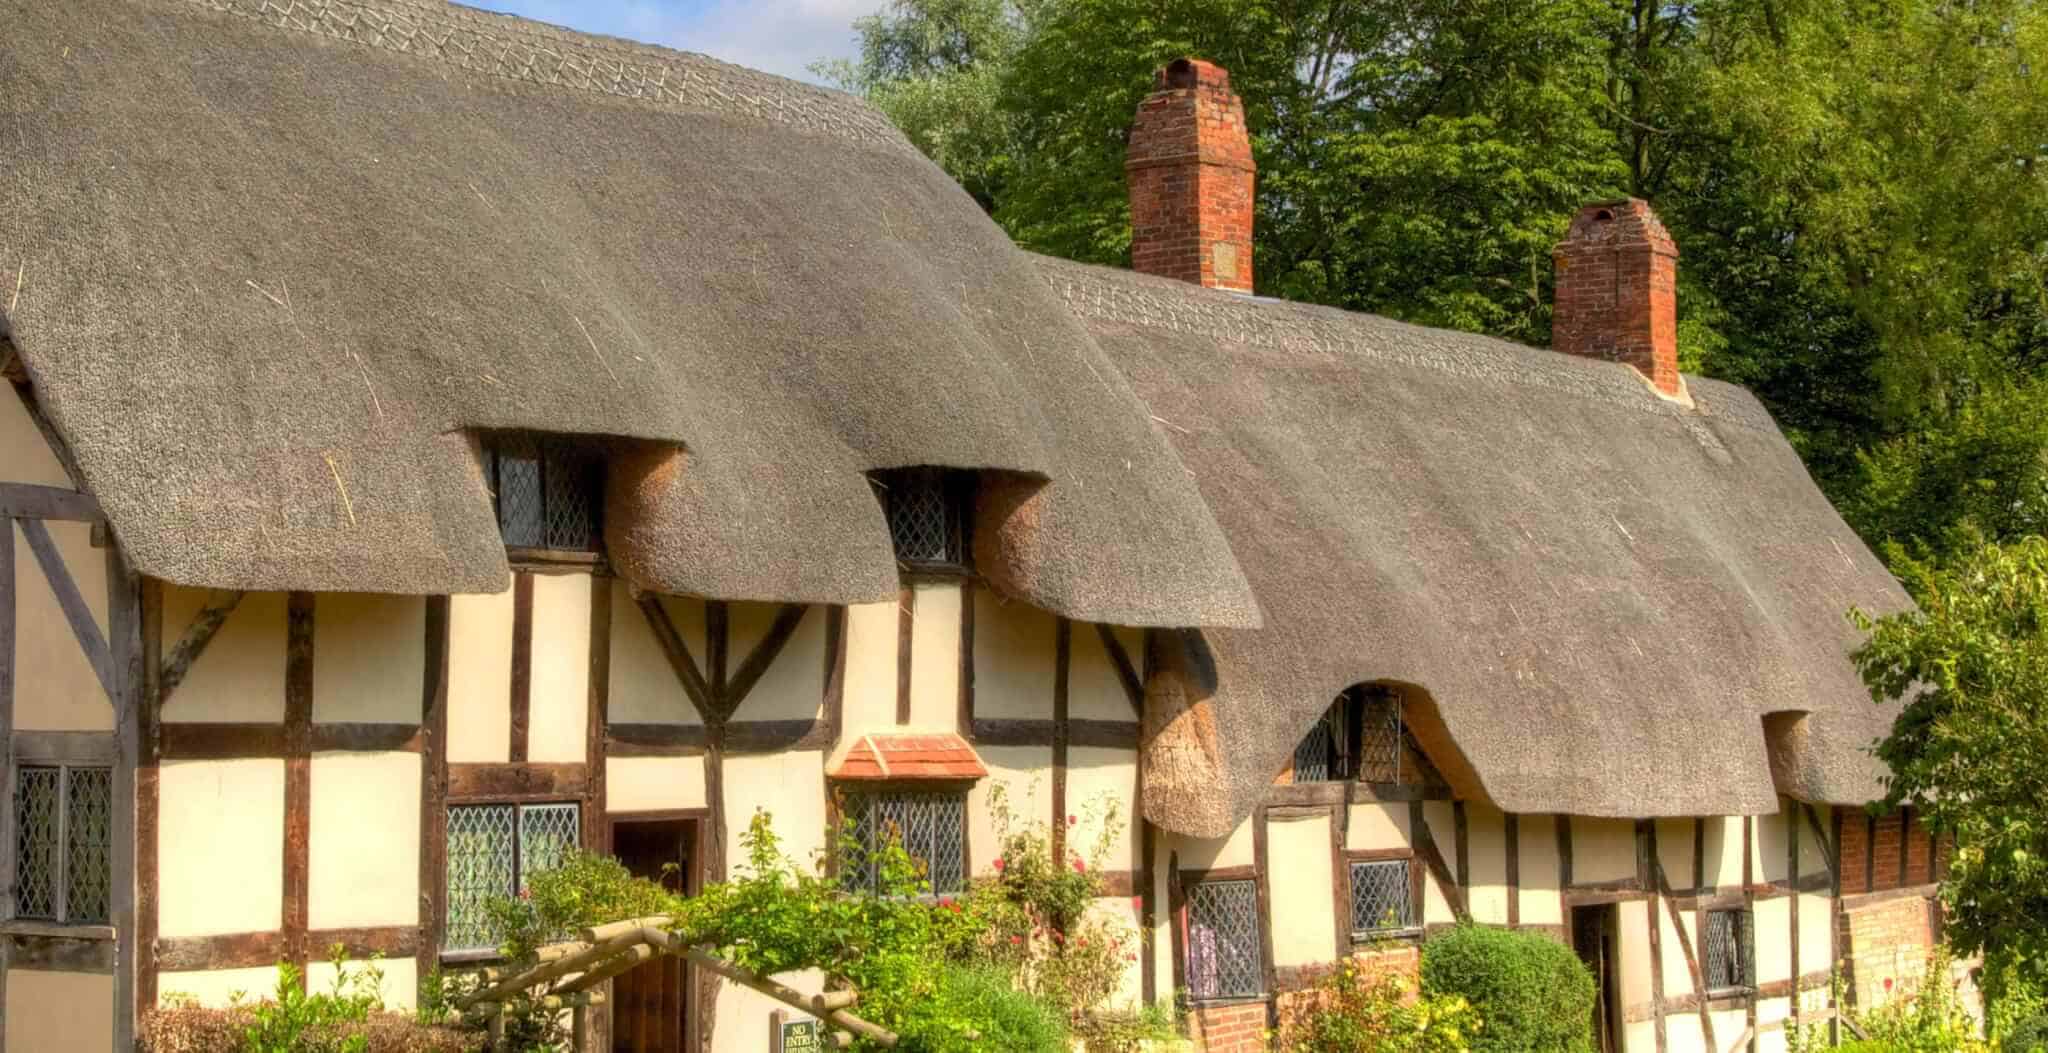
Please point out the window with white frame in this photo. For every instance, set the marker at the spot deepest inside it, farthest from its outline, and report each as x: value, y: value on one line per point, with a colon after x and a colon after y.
x: 1382, y: 899
x: 931, y: 825
x: 63, y: 843
x: 1224, y: 959
x: 1725, y: 951
x: 492, y: 850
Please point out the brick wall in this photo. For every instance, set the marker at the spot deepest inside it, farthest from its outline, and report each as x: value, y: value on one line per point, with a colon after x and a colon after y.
x: 1617, y: 290
x: 1189, y: 166
x: 1237, y: 1028
x: 1884, y: 945
x: 1873, y: 852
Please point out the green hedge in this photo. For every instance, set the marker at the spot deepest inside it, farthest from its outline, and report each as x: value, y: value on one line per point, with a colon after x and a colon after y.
x: 1533, y: 994
x: 2029, y: 1036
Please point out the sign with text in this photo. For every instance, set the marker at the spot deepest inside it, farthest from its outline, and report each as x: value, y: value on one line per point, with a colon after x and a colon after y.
x: 799, y: 1036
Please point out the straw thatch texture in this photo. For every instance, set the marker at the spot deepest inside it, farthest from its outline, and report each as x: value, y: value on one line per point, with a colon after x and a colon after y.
x: 283, y: 258
x: 1599, y: 594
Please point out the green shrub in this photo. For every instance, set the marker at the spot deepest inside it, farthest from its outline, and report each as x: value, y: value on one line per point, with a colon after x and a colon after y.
x: 977, y: 1009
x: 1533, y: 993
x: 1352, y: 1009
x: 2028, y: 1036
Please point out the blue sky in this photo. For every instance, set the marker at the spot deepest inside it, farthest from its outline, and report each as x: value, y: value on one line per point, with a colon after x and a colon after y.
x: 779, y: 36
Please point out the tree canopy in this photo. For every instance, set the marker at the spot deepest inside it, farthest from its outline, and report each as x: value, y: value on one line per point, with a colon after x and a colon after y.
x: 1857, y: 187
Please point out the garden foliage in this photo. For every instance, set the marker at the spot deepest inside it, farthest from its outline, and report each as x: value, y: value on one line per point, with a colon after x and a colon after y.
x: 1355, y: 1009
x: 1531, y: 992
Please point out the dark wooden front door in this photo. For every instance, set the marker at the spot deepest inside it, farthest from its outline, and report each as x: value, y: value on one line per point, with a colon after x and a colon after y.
x: 650, y: 1004
x: 1594, y: 937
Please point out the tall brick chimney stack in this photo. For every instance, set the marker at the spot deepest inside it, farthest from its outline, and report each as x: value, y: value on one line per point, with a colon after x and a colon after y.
x: 1190, y: 172
x: 1617, y: 290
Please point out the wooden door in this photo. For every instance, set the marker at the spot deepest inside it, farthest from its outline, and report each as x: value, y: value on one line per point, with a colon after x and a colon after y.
x: 1594, y: 932
x: 650, y: 1004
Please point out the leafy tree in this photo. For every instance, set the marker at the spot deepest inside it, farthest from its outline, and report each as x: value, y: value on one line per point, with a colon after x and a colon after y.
x: 1969, y: 750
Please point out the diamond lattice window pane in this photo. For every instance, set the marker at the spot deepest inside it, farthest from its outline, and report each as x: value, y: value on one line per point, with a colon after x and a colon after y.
x: 1379, y: 736
x: 89, y: 839
x: 931, y: 826
x: 1313, y: 755
x: 547, y: 834
x: 37, y: 798
x: 481, y: 843
x: 521, y: 517
x: 1725, y: 950
x: 924, y: 518
x: 1380, y: 897
x: 1223, y: 940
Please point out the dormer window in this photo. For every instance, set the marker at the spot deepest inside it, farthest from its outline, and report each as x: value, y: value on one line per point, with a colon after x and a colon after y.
x: 1359, y: 737
x: 548, y: 492
x: 927, y: 513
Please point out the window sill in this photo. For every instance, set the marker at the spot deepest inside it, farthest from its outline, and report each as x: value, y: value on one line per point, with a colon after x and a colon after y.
x: 1227, y: 1001
x: 475, y: 957
x: 1367, y: 939
x: 555, y: 559
x: 26, y: 927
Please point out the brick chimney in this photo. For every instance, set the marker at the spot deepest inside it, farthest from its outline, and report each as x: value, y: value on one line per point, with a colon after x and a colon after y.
x: 1617, y: 291
x: 1190, y: 172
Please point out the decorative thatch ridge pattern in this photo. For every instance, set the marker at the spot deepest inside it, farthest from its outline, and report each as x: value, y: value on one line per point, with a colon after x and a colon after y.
x: 535, y: 53
x: 1601, y: 602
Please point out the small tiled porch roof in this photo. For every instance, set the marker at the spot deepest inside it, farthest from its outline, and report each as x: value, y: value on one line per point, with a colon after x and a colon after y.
x: 910, y: 757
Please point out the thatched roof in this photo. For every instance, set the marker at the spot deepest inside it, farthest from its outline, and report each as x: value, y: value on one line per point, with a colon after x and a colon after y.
x: 1598, y: 594
x: 281, y: 262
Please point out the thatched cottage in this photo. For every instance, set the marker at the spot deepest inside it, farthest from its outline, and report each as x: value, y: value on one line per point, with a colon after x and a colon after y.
x: 444, y: 439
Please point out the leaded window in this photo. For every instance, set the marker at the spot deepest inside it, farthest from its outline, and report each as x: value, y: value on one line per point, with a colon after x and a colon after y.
x: 926, y: 510
x: 1381, y: 897
x: 1725, y: 947
x: 931, y: 826
x: 548, y: 492
x: 1223, y: 947
x: 493, y: 849
x: 63, y: 843
x: 1359, y: 737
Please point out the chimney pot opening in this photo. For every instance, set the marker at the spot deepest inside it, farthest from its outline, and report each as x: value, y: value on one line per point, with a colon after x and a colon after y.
x: 1603, y: 215
x: 1180, y: 74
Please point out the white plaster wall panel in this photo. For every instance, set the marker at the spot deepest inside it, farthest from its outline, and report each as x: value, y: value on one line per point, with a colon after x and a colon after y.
x: 217, y: 987
x: 364, y: 840
x: 1021, y: 776
x: 1770, y: 848
x: 643, y: 688
x: 1015, y: 650
x: 1212, y: 853
x: 1682, y: 1030
x: 1102, y: 786
x: 1729, y: 1023
x: 1773, y: 921
x: 55, y: 687
x: 1814, y: 953
x: 220, y: 847
x: 1771, y: 1010
x: 1442, y: 822
x: 1304, y: 914
x: 1162, y: 920
x: 1094, y: 691
x: 400, y: 983
x: 25, y: 456
x: 1724, y: 851
x: 240, y: 675
x: 1536, y: 842
x: 369, y: 658
x: 51, y: 1011
x: 1377, y: 826
x: 653, y: 784
x: 1640, y: 1037
x: 1675, y: 851
x: 1632, y: 945
x: 935, y: 656
x: 1120, y: 915
x: 744, y: 1014
x: 790, y: 787
x: 559, y: 717
x: 480, y: 678
x: 1813, y: 858
x: 1677, y: 974
x: 1602, y: 850
x: 1486, y: 851
x: 686, y: 613
x: 793, y: 688
x: 1436, y: 906
x: 870, y: 690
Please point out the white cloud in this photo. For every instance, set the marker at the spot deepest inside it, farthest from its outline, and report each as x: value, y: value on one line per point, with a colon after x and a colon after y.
x: 778, y: 36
